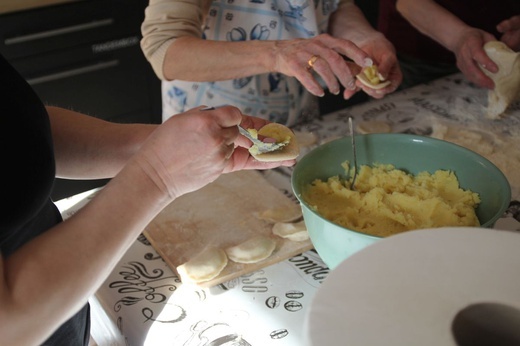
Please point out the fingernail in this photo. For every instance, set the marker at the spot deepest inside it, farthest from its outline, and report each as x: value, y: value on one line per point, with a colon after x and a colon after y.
x: 351, y: 85
x: 368, y: 62
x: 335, y: 92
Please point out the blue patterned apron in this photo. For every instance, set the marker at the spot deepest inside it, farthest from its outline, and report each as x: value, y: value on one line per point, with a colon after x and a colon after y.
x: 272, y: 96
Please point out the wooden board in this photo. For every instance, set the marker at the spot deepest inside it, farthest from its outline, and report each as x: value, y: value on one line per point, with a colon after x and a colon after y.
x: 222, y: 214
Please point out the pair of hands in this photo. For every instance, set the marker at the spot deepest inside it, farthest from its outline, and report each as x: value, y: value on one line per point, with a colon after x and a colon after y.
x: 470, y: 53
x: 292, y: 59
x: 194, y: 148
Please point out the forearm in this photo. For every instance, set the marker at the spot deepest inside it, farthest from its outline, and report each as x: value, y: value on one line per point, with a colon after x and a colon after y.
x: 433, y: 21
x: 172, y: 42
x: 175, y: 51
x: 193, y: 59
x: 91, y: 148
x: 47, y: 280
x: 349, y: 22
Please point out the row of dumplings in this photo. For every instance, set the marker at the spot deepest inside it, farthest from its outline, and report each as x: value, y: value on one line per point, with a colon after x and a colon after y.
x: 210, y: 262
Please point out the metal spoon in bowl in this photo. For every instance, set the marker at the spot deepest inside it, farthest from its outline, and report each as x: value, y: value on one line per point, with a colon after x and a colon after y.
x: 351, y: 128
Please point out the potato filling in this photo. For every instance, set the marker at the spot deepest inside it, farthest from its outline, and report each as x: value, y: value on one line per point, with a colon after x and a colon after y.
x: 387, y: 201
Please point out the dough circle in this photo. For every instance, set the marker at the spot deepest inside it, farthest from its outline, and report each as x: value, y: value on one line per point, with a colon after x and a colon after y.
x: 204, y: 266
x: 280, y: 133
x: 252, y: 250
x: 373, y: 126
x: 293, y: 231
x: 285, y: 214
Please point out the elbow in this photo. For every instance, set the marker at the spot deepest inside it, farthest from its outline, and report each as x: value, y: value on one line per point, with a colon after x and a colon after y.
x: 155, y: 54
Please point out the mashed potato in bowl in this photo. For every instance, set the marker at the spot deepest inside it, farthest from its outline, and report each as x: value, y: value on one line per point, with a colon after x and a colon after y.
x: 414, y: 155
x: 387, y: 201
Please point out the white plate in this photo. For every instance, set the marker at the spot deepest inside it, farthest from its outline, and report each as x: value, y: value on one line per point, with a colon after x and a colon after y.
x: 407, y: 289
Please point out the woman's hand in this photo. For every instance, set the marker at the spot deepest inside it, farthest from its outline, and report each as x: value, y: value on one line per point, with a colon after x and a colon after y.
x: 510, y: 30
x: 383, y: 53
x: 194, y: 148
x: 323, y: 56
x: 242, y: 159
x: 470, y: 54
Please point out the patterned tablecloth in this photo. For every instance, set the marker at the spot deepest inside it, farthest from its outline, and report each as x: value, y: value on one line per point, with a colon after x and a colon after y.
x: 144, y: 303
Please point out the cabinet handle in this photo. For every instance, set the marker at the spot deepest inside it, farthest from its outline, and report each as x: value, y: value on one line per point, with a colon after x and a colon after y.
x: 60, y: 31
x: 72, y: 72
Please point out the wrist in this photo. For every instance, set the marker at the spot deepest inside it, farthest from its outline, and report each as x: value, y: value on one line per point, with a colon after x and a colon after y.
x: 140, y: 181
x: 270, y: 63
x: 363, y: 39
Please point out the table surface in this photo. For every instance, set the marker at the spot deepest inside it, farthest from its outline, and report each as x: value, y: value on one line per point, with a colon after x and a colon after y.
x: 144, y: 303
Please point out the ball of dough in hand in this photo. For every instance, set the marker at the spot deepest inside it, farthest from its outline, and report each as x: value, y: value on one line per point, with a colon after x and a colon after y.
x: 507, y: 79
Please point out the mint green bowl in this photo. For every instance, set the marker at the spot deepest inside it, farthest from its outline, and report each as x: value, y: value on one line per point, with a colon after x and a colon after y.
x: 410, y: 153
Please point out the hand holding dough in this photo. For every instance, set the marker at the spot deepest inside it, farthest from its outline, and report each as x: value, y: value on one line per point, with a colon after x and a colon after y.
x: 507, y: 79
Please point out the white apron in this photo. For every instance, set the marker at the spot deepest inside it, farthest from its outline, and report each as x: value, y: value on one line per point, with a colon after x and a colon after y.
x: 272, y: 96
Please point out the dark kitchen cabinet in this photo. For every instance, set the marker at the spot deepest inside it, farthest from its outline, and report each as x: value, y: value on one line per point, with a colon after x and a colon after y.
x: 85, y: 55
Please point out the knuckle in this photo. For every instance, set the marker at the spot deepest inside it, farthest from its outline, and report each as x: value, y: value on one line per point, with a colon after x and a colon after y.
x: 337, y: 60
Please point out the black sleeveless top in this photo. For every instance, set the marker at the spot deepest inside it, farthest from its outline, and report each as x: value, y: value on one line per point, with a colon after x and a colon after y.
x: 27, y: 176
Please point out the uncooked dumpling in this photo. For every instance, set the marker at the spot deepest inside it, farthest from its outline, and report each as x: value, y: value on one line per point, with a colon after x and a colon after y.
x: 285, y: 214
x: 252, y: 250
x: 507, y: 79
x: 296, y: 231
x: 305, y: 139
x: 282, y: 134
x: 371, y: 77
x: 204, y: 266
x: 373, y: 126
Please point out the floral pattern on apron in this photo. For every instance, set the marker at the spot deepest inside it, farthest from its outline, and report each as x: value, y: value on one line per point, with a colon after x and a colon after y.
x: 272, y: 96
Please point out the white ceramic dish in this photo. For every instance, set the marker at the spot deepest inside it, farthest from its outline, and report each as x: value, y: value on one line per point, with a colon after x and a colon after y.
x: 408, y: 288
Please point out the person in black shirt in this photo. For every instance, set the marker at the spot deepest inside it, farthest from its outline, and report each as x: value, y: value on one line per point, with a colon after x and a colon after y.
x: 49, y: 268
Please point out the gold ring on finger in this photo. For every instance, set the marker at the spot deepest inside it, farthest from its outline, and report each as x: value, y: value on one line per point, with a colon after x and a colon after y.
x: 312, y: 61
